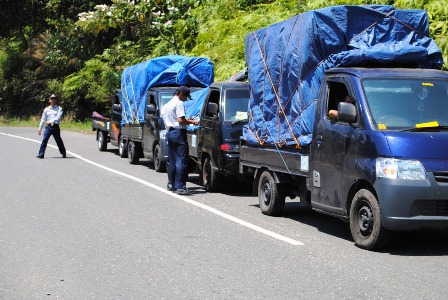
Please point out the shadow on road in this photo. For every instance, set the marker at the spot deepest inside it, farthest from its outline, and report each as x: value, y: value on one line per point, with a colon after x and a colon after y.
x: 412, y: 243
x: 403, y: 243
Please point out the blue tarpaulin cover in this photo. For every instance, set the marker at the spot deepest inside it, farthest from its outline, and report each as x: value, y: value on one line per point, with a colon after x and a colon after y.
x: 171, y: 70
x: 287, y: 60
x: 194, y: 106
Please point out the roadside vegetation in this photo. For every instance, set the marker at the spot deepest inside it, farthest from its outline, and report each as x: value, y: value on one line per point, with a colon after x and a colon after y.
x: 78, y: 49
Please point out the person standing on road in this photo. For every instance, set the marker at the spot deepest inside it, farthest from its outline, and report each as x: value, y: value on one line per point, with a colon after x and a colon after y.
x: 173, y: 114
x: 51, y: 117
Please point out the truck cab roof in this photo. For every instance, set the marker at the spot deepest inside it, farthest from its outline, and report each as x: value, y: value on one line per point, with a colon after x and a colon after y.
x: 229, y: 84
x: 388, y: 72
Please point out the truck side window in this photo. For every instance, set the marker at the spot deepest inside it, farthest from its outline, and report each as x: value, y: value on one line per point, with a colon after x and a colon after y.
x: 213, y: 98
x: 338, y: 92
x: 152, y: 100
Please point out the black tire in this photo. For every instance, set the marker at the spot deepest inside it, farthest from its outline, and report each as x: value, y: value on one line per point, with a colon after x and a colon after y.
x: 122, y: 148
x: 365, y: 222
x: 210, y: 179
x: 102, y: 141
x: 159, y: 165
x: 133, y: 153
x: 270, y: 198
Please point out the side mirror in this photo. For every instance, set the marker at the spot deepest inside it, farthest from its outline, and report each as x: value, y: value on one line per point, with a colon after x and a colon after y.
x: 116, y: 108
x: 151, y: 109
x: 212, y: 109
x: 346, y: 112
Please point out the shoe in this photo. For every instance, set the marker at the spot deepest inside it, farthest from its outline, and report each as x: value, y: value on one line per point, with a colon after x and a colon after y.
x: 183, y: 192
x: 39, y: 156
x: 169, y: 187
x: 64, y: 156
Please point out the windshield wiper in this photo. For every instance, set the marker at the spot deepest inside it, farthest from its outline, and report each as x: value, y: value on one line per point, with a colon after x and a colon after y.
x: 429, y: 128
x: 239, y: 121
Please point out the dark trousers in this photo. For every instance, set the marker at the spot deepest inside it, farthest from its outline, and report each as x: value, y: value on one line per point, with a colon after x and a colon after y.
x: 56, y: 133
x: 178, y: 158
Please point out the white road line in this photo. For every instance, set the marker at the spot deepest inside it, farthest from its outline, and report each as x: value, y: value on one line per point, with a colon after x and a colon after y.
x: 185, y: 199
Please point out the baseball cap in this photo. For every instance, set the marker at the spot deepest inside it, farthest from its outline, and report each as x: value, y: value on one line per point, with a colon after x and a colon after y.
x: 184, y: 90
x: 53, y: 96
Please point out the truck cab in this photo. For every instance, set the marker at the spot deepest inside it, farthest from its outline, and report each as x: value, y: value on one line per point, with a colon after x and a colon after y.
x: 383, y: 163
x: 154, y: 131
x: 148, y: 140
x: 215, y: 145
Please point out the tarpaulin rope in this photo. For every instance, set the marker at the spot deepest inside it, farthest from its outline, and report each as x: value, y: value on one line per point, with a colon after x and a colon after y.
x: 275, y: 91
x: 253, y: 133
x: 385, y: 15
x: 277, y: 148
x: 126, y: 96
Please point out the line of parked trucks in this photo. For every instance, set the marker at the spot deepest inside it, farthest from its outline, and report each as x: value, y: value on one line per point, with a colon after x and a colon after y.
x: 381, y: 165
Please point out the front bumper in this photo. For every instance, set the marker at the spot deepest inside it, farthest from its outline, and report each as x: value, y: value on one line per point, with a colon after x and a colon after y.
x: 413, y: 204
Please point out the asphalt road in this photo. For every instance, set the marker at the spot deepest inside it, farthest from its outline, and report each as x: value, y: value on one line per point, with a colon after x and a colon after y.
x: 92, y: 226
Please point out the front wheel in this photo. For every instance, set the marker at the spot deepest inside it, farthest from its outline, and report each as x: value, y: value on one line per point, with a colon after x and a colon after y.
x: 365, y: 222
x: 270, y: 198
x: 133, y: 153
x: 102, y: 141
x: 122, y: 148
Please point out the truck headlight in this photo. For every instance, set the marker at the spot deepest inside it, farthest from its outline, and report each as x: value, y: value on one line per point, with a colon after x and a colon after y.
x: 400, y: 169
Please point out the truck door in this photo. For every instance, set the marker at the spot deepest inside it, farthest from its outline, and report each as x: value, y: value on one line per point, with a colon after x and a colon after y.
x: 149, y: 130
x: 334, y: 150
x: 115, y: 123
x: 208, y: 129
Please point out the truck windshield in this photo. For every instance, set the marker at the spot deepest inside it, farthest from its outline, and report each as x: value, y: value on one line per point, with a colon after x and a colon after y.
x: 235, y: 108
x: 403, y: 104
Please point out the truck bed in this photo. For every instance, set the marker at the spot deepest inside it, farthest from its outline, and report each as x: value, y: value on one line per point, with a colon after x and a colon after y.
x: 100, y: 123
x: 133, y: 132
x: 287, y: 160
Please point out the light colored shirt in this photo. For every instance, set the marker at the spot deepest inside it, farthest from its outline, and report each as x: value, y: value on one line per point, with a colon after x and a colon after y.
x: 52, y: 114
x: 174, y: 109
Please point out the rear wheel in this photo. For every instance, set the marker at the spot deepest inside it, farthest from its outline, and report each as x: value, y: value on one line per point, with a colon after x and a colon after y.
x: 133, y: 152
x: 270, y: 198
x: 102, y: 141
x: 159, y: 165
x: 210, y: 178
x: 122, y: 148
x: 365, y: 222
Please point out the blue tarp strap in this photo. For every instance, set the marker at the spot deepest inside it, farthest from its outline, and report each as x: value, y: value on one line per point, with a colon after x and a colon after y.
x: 126, y: 96
x: 276, y: 147
x: 275, y: 92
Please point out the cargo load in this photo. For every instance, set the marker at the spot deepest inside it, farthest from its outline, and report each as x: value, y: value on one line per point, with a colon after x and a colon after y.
x: 287, y: 61
x: 171, y: 70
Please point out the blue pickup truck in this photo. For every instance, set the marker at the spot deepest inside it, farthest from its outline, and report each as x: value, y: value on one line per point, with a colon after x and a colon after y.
x: 349, y: 113
x: 382, y: 164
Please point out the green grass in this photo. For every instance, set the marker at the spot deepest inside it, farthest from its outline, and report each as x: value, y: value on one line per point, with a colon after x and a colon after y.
x: 77, y: 126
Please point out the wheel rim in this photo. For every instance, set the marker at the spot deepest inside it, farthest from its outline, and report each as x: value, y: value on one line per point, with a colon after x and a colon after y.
x: 120, y: 148
x: 156, y: 158
x: 266, y: 193
x: 131, y: 151
x: 365, y: 218
x: 206, y: 173
x: 100, y: 140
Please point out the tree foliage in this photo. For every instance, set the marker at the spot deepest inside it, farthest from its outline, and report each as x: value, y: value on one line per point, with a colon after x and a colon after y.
x: 78, y: 48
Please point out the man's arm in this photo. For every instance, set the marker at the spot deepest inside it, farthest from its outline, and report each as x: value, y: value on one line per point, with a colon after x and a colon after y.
x: 184, y: 121
x: 43, y: 119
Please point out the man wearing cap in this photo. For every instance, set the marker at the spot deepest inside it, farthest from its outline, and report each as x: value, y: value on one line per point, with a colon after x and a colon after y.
x: 173, y: 114
x: 51, y: 117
